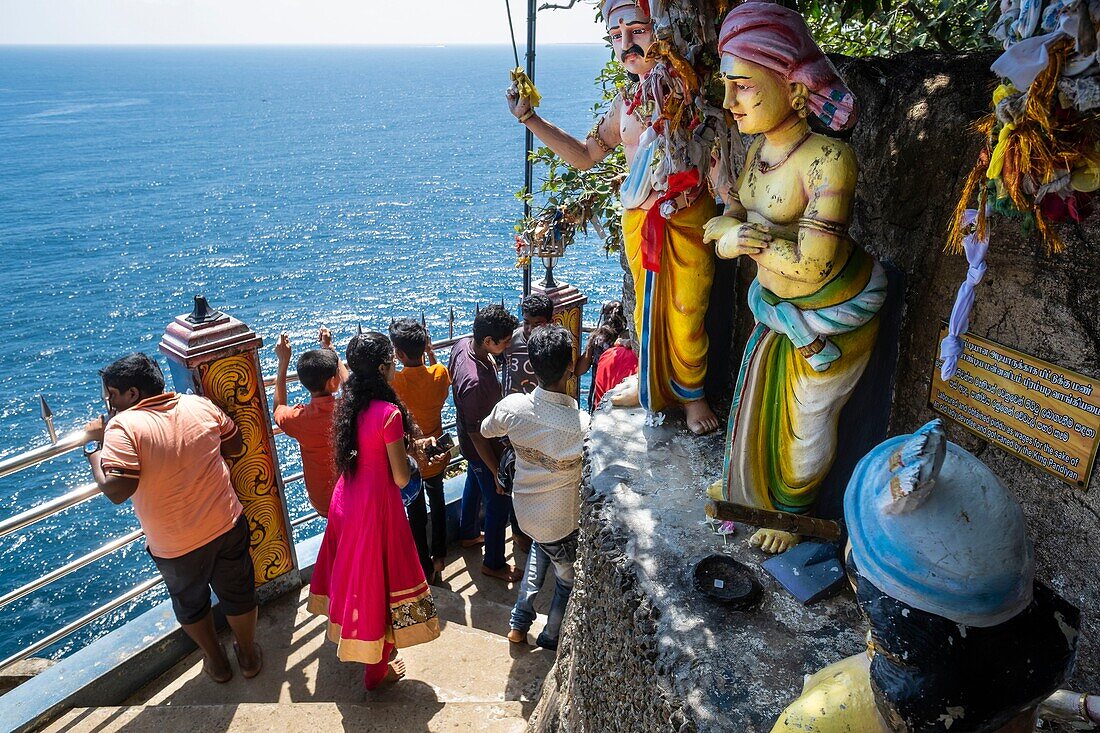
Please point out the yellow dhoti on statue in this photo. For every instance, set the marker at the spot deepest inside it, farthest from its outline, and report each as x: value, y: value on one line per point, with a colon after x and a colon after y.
x: 801, y: 364
x: 670, y: 305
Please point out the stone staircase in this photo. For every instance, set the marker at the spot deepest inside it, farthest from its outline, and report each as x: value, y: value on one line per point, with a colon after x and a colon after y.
x: 469, y: 679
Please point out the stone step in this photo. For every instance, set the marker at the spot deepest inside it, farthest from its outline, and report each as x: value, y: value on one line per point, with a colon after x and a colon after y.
x: 467, y: 664
x: 500, y: 717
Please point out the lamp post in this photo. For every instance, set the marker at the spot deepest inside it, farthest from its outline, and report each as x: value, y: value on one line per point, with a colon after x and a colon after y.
x: 215, y: 355
x: 547, y: 240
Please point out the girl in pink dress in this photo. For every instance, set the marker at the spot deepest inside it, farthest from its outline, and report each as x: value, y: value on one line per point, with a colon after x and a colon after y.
x: 368, y: 579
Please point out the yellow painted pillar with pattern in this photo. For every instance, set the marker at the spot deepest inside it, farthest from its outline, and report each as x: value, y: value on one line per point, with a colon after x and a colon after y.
x: 569, y: 312
x: 215, y: 355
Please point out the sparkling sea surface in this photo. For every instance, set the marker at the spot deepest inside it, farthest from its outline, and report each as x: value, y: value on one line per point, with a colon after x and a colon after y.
x: 292, y: 186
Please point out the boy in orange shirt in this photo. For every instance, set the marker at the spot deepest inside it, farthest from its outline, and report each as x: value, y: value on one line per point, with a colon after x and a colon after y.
x: 321, y: 372
x: 423, y: 389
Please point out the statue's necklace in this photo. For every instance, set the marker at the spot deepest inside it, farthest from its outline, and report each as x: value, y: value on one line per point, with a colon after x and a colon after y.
x: 769, y: 167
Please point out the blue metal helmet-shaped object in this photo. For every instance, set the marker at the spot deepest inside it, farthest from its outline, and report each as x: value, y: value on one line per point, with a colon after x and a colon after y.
x: 931, y: 526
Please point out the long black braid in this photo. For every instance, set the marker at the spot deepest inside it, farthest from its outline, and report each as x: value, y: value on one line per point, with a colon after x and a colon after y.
x: 367, y: 354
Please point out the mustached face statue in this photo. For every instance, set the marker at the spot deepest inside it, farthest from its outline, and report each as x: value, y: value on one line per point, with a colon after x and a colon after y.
x: 630, y: 28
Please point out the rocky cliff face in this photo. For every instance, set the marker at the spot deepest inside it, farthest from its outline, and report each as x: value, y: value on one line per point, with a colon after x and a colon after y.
x: 915, y: 149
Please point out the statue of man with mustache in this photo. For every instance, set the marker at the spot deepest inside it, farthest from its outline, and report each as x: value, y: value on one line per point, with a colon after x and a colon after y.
x: 664, y: 213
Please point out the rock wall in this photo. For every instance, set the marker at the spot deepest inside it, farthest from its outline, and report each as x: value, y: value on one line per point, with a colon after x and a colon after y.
x: 915, y: 150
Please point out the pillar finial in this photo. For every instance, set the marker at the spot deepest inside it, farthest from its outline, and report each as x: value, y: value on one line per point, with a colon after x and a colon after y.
x: 203, y: 313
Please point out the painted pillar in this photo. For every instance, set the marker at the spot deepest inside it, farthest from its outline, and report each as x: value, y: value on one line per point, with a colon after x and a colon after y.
x: 216, y: 356
x: 569, y: 312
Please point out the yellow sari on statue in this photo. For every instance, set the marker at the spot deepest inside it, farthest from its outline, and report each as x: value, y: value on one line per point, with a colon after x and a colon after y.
x: 801, y: 363
x: 670, y: 305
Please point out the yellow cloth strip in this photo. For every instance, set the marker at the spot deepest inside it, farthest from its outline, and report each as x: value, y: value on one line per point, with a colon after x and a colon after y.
x: 526, y: 87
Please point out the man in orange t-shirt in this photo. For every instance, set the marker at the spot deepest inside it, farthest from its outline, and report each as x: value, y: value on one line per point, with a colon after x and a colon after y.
x: 423, y: 389
x: 165, y: 452
x: 322, y: 373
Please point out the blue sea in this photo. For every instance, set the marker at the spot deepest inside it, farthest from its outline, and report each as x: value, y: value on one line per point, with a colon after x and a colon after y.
x: 291, y: 186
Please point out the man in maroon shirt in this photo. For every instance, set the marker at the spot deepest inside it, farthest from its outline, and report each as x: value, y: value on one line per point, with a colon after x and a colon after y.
x: 476, y: 390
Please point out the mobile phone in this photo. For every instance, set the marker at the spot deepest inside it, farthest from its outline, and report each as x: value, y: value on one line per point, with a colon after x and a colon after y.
x: 443, y: 444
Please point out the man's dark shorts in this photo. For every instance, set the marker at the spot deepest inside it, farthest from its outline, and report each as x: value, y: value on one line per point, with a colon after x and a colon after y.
x: 223, y: 563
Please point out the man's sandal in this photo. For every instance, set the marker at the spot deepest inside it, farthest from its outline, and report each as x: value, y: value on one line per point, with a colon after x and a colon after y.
x: 250, y: 673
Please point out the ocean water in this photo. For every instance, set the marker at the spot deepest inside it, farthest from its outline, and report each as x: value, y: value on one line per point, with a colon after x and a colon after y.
x: 293, y: 187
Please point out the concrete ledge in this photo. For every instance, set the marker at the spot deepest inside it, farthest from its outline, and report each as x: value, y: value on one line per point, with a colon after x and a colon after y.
x: 641, y: 650
x: 110, y: 669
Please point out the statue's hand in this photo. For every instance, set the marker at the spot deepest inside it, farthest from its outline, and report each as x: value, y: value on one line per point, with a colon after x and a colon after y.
x: 717, y: 227
x: 518, y: 104
x: 744, y: 239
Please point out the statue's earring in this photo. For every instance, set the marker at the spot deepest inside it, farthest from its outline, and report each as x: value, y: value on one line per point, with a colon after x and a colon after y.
x: 799, y: 104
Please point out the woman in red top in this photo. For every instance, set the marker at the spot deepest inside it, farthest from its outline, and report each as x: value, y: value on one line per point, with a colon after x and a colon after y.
x: 615, y: 365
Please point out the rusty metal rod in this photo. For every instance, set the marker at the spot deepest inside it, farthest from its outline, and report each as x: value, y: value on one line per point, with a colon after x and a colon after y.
x: 796, y: 523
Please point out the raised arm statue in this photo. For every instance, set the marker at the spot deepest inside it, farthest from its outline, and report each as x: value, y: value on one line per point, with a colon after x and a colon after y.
x: 665, y: 204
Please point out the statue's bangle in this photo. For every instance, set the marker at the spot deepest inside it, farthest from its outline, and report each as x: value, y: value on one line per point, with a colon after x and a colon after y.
x: 814, y: 347
x: 529, y: 115
x: 829, y: 227
x: 600, y: 143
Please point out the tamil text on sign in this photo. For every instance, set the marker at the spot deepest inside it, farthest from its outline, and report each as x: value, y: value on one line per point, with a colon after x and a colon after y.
x: 1048, y: 416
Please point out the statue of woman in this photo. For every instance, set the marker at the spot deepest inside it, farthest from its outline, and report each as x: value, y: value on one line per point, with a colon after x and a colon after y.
x: 816, y: 292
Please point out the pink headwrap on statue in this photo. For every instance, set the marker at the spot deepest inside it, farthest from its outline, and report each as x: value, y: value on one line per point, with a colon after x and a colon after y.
x: 610, y: 6
x: 777, y: 38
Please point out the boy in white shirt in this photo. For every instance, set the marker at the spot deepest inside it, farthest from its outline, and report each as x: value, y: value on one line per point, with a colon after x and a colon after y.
x: 547, y: 430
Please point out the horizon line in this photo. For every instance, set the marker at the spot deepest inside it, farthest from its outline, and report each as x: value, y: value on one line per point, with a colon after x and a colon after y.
x: 275, y: 44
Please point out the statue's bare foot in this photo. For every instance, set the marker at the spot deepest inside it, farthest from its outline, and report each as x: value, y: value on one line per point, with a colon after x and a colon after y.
x: 774, y: 541
x: 715, y: 493
x: 626, y: 394
x: 700, y: 418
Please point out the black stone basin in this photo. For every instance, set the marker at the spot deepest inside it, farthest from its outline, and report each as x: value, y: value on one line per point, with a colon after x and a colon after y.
x: 727, y: 581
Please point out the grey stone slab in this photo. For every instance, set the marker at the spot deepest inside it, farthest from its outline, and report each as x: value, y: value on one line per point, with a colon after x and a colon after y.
x: 641, y: 649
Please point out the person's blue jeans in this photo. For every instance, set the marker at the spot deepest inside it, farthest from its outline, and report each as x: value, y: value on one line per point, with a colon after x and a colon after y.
x: 561, y: 554
x: 481, y: 488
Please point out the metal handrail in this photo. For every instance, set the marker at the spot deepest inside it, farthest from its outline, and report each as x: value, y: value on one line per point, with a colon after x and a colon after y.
x: 84, y: 620
x: 305, y: 518
x: 33, y: 457
x: 446, y: 343
x: 314, y: 515
x: 48, y: 508
x: 72, y: 441
x: 76, y: 564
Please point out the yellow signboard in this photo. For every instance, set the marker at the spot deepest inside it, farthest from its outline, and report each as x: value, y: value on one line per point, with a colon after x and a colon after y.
x: 1046, y: 415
